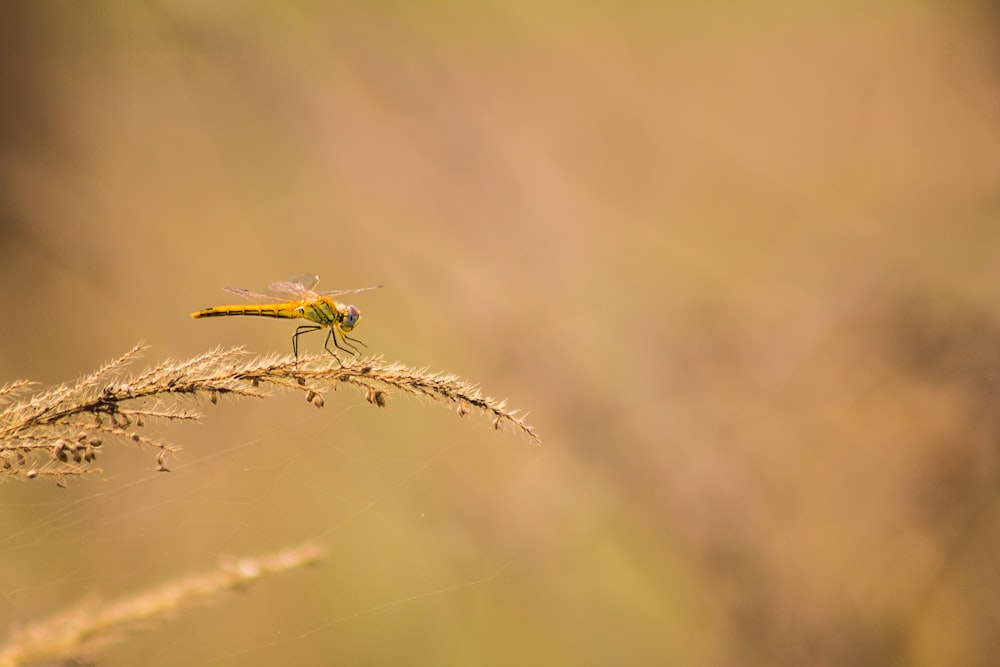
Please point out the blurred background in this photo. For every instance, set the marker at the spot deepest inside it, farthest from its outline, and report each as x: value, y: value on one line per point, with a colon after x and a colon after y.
x: 741, y: 261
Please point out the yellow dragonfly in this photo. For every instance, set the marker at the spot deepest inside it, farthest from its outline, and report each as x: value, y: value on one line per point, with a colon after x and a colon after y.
x: 295, y: 299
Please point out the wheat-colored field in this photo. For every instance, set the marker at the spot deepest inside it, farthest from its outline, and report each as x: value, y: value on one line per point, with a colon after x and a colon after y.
x: 736, y: 264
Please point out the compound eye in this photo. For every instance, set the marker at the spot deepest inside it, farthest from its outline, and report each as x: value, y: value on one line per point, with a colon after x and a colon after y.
x: 352, y: 317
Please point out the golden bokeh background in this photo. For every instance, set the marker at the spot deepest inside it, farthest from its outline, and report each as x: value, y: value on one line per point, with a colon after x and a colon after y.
x: 741, y: 261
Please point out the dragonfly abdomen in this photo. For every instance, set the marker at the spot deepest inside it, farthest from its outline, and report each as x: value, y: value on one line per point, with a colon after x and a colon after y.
x: 286, y: 311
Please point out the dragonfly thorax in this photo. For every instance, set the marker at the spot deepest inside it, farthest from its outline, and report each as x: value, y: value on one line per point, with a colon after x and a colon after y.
x: 322, y: 311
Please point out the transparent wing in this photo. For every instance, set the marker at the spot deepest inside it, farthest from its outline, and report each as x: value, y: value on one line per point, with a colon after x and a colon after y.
x: 247, y: 294
x: 299, y: 287
x: 341, y: 292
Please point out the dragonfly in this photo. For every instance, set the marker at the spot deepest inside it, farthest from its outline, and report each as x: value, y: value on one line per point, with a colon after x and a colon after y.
x: 295, y: 299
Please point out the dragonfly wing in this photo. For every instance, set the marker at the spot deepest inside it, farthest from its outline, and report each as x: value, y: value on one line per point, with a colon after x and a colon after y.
x: 298, y: 287
x: 247, y: 294
x: 341, y: 292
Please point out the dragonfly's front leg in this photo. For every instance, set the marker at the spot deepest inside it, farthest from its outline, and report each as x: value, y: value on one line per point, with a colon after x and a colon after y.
x: 353, y: 340
x: 353, y: 351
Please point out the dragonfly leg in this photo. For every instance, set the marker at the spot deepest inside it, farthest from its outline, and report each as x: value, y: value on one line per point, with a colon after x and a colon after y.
x: 326, y: 345
x: 353, y: 340
x: 305, y: 328
x: 332, y: 335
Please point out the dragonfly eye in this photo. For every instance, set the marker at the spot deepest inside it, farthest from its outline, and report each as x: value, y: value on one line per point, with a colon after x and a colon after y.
x: 351, y: 318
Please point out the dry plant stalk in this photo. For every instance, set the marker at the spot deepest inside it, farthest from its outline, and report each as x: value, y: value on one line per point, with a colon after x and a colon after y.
x: 92, y: 624
x: 61, y: 431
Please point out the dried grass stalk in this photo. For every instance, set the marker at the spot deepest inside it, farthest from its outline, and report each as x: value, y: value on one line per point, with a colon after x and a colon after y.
x: 61, y: 431
x: 90, y: 625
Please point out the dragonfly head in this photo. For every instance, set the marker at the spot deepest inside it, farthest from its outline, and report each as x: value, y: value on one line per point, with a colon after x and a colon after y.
x: 351, y: 318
